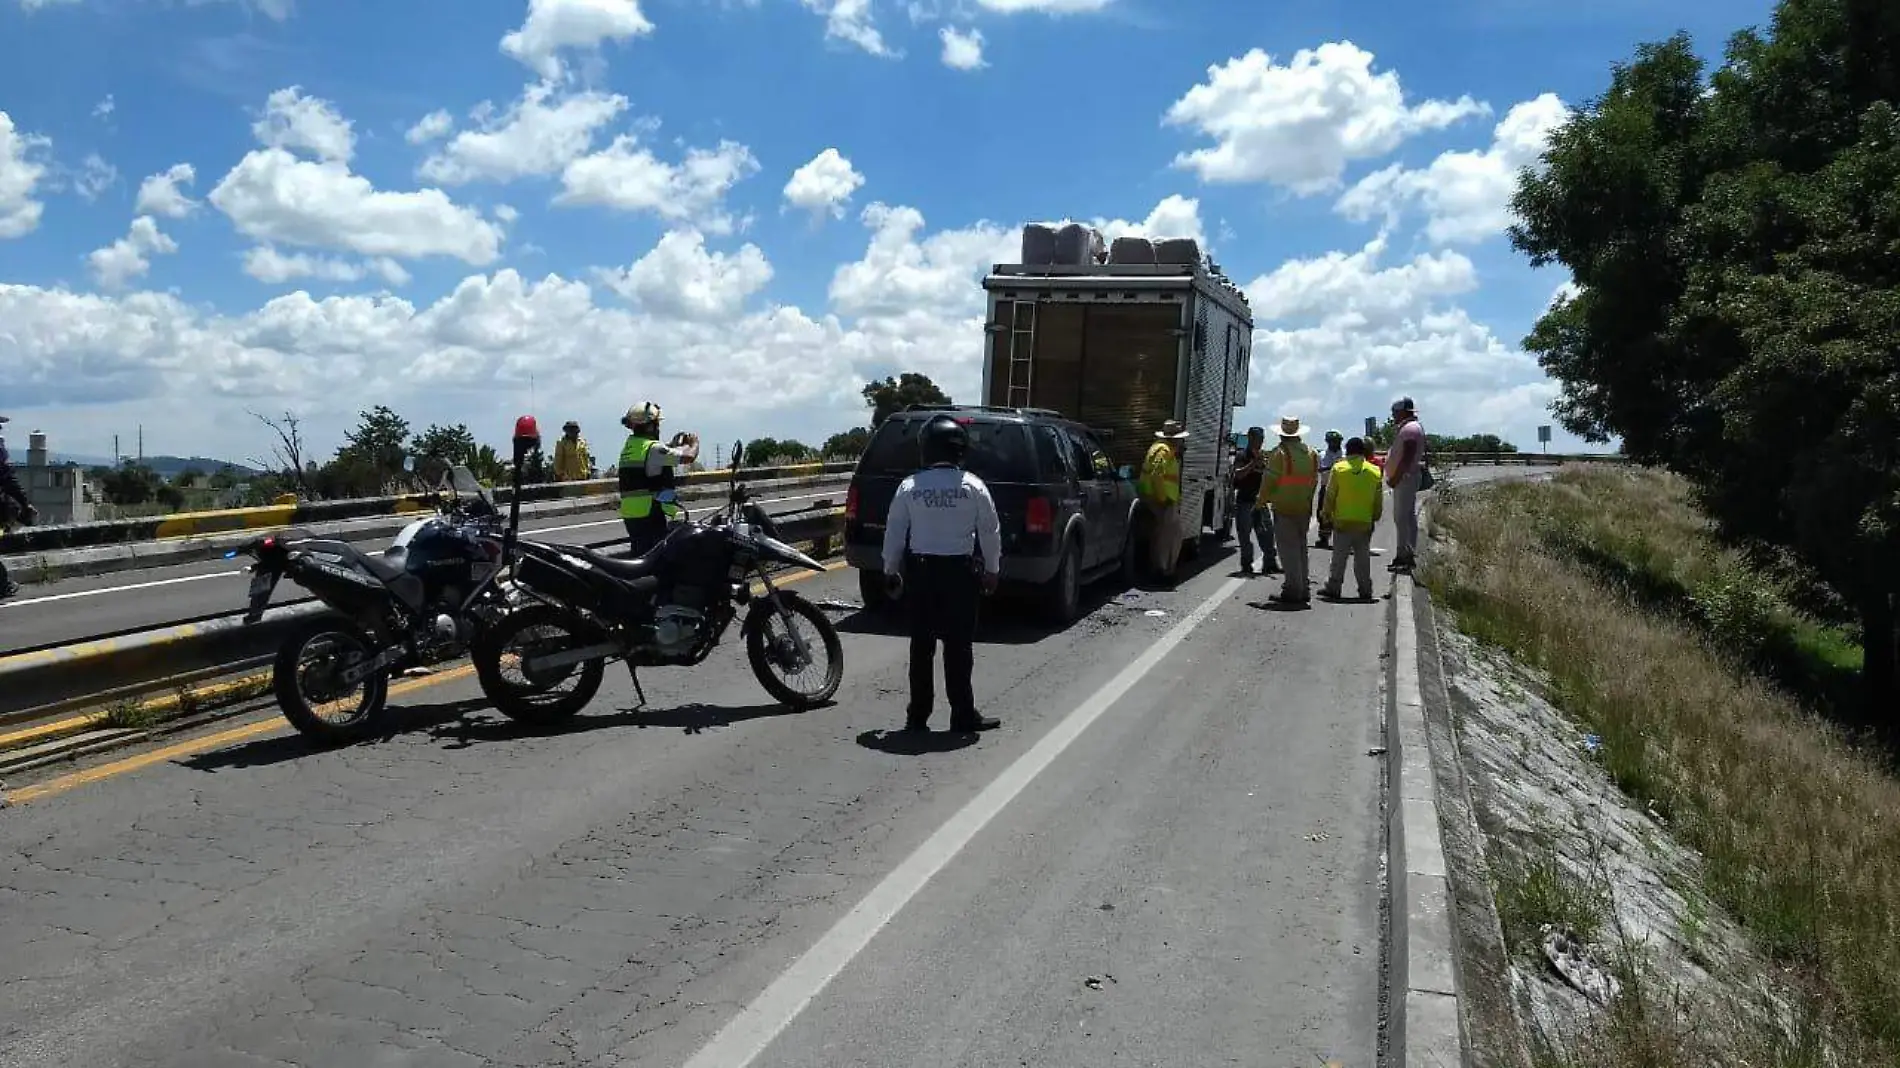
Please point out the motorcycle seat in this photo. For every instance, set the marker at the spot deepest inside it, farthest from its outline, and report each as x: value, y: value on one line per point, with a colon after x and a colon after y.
x: 386, y: 569
x: 637, y: 572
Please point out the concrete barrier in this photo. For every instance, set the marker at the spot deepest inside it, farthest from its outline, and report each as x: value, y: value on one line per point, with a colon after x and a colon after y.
x: 47, y: 682
x: 1523, y: 459
x: 193, y: 524
x: 52, y: 565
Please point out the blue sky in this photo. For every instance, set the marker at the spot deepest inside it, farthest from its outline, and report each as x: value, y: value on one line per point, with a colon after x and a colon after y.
x: 744, y: 208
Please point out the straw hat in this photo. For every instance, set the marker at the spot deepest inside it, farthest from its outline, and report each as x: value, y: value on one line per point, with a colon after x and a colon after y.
x: 1290, y: 427
x: 1172, y: 430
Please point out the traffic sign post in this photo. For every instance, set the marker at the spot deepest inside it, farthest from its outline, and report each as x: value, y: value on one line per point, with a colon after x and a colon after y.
x: 1543, y: 438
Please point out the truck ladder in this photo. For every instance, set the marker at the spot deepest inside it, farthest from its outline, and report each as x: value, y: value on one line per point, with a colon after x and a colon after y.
x: 1022, y: 346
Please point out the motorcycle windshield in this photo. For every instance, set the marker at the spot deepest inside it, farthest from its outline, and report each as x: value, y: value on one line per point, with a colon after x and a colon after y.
x: 463, y: 483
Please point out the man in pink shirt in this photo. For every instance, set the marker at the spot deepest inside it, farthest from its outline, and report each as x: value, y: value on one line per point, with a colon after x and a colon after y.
x: 1404, y: 466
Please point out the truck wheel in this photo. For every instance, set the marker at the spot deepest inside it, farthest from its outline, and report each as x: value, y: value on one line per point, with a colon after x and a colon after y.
x: 1062, y: 601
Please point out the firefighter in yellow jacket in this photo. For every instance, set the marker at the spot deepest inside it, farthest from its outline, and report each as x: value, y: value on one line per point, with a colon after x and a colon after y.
x: 1288, y: 487
x: 572, y: 460
x: 1160, y: 488
x: 1354, y: 503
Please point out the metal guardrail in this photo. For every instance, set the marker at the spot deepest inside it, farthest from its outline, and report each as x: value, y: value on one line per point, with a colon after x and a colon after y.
x: 1522, y: 459
x: 188, y: 524
x: 48, y: 682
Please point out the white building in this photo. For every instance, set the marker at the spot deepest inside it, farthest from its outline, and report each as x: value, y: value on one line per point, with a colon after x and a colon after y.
x: 59, y: 493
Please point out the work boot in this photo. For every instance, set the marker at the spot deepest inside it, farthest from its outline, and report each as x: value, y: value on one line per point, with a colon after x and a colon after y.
x: 971, y: 723
x: 916, y: 721
x: 1330, y: 593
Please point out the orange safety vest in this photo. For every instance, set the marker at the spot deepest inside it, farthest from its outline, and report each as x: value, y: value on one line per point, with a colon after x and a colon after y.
x: 1291, y: 477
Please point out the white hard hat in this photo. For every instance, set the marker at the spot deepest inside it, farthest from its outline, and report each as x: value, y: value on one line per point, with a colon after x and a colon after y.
x: 641, y: 414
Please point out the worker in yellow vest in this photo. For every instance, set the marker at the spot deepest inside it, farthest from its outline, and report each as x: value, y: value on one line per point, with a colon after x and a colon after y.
x: 1288, y: 487
x: 1160, y: 488
x: 647, y: 482
x: 1353, y: 504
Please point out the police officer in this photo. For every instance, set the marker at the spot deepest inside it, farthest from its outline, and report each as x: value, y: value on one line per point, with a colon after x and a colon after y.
x: 647, y: 480
x: 943, y: 546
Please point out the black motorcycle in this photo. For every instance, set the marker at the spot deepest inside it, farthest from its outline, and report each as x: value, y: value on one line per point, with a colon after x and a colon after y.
x: 418, y: 602
x: 579, y: 608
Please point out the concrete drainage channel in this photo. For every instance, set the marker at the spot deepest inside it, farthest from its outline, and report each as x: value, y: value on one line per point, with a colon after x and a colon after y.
x: 53, y: 707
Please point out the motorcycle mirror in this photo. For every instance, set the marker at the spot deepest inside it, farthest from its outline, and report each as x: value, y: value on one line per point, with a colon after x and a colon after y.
x: 738, y: 456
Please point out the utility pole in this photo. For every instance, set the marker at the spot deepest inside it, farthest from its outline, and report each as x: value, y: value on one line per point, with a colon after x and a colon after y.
x: 141, y: 443
x: 115, y: 450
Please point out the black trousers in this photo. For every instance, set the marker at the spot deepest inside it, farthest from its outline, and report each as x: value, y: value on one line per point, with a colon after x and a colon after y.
x: 644, y: 534
x: 6, y: 584
x: 942, y: 595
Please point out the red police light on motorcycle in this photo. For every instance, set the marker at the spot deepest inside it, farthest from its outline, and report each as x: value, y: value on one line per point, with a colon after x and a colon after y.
x: 527, y: 429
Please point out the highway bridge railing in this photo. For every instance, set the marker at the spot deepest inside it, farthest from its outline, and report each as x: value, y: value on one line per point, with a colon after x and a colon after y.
x: 45, y: 684
x: 354, y: 520
x: 191, y: 524
x: 1524, y: 459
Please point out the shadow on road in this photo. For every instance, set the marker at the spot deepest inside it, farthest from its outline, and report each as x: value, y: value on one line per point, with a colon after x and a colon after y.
x: 916, y: 743
x: 453, y: 724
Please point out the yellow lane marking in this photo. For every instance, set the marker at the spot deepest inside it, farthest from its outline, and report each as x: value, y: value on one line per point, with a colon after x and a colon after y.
x: 258, y: 729
x: 74, y: 724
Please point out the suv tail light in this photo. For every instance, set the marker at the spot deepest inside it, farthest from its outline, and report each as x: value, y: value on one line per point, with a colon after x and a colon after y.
x: 851, y: 502
x: 1040, y: 518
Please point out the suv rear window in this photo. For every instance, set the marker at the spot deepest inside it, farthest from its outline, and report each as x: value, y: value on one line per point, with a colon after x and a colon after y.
x: 999, y: 452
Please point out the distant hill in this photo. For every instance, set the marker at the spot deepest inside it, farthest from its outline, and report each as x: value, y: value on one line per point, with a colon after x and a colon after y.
x: 168, y: 466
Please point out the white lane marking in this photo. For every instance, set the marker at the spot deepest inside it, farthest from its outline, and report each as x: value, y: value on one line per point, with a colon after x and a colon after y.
x: 115, y: 589
x: 748, y: 1034
x: 23, y: 602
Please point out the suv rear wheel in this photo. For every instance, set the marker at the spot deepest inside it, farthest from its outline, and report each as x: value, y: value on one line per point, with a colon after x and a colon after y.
x: 1063, y: 600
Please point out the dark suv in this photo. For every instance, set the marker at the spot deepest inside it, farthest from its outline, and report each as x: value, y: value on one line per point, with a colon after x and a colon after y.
x: 1067, y: 513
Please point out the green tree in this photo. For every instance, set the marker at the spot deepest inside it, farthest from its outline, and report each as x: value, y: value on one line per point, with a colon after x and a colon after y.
x: 1737, y: 319
x: 190, y: 476
x: 762, y: 451
x: 131, y: 483
x: 893, y: 395
x: 439, y: 448
x: 225, y: 477
x: 371, y: 458
x: 851, y: 443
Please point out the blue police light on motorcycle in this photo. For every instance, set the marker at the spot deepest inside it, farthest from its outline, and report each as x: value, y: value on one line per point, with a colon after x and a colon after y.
x: 231, y: 555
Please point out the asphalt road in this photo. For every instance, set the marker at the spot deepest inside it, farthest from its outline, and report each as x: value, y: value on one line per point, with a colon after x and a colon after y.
x: 1169, y: 855
x: 80, y: 608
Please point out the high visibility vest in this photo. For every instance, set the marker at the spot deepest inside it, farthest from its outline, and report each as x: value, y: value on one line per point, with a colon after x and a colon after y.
x: 1291, y: 477
x: 1160, y: 481
x: 1355, y: 492
x: 637, y: 488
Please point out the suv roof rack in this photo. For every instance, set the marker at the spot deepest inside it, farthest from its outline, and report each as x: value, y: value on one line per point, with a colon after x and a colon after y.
x: 996, y: 408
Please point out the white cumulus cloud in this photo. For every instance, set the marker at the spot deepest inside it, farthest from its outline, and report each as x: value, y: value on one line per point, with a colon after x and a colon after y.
x: 850, y: 21
x: 627, y: 177
x: 130, y: 256
x: 159, y: 193
x: 433, y: 126
x: 1298, y: 125
x: 272, y: 267
x: 1466, y: 196
x: 294, y: 121
x: 274, y: 197
x: 95, y: 177
x: 681, y: 279
x: 22, y: 167
x: 824, y: 184
x: 555, y: 26
x: 537, y: 135
x: 962, y: 49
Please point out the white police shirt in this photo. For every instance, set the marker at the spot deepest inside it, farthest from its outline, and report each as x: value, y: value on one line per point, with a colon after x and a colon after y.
x: 943, y: 511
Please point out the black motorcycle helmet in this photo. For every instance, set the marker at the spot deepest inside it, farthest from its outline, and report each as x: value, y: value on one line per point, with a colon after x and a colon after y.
x: 943, y: 441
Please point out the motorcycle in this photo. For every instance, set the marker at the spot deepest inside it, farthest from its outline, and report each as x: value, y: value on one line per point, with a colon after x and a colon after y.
x: 422, y: 600
x: 580, y: 609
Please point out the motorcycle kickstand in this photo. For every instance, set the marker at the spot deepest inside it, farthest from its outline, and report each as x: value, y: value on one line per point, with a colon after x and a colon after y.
x: 634, y: 674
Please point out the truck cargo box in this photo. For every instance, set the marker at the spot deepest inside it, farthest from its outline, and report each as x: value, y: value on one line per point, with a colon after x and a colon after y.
x: 1123, y: 348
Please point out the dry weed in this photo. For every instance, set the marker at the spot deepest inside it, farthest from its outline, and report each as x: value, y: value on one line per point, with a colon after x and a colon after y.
x: 1799, y: 831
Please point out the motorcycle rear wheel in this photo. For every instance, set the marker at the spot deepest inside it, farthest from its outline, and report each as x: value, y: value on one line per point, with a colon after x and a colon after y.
x: 768, y: 647
x: 293, y: 687
x: 530, y: 700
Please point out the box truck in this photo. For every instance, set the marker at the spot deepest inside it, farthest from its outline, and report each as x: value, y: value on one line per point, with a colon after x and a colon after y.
x: 1121, y: 339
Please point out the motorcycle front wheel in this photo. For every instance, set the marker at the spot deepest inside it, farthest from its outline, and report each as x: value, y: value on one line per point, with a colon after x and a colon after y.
x: 796, y: 681
x: 539, y: 698
x: 313, y: 699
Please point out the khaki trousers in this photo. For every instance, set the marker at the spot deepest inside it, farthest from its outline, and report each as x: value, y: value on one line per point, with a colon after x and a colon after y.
x: 1166, y: 547
x: 1289, y: 537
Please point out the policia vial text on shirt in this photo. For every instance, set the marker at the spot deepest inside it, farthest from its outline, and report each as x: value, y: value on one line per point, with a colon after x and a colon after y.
x: 943, y: 549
